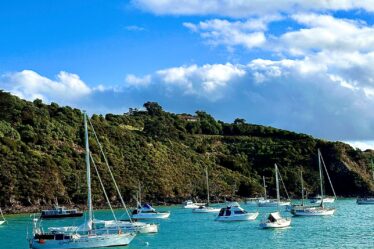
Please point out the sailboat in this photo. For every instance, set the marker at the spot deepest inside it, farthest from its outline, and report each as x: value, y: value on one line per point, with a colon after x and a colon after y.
x: 270, y: 202
x: 206, y: 208
x: 320, y: 210
x: 2, y: 217
x: 367, y: 200
x: 275, y: 220
x: 146, y: 211
x: 293, y: 206
x: 86, y: 235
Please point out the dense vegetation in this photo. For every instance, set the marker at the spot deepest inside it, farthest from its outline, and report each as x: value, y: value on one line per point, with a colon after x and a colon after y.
x: 42, y: 156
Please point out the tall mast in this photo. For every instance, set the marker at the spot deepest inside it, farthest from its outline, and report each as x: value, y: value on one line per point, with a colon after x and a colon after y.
x: 277, y: 183
x: 263, y: 180
x: 207, y: 184
x: 140, y: 194
x: 302, y: 187
x: 320, y: 176
x: 88, y: 169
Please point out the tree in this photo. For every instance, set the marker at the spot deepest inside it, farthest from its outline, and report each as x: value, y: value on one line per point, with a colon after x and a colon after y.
x: 153, y: 108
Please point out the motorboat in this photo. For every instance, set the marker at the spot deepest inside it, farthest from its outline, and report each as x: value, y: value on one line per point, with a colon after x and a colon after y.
x: 86, y: 235
x: 365, y: 201
x: 189, y: 204
x: 274, y: 219
x: 147, y: 212
x: 233, y: 212
x: 60, y: 212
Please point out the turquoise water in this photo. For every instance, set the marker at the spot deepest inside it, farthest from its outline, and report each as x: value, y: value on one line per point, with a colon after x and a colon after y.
x: 352, y: 226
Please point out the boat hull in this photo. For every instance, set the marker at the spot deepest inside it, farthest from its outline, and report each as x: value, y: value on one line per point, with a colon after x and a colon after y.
x: 205, y: 210
x: 150, y: 216
x: 313, y: 212
x: 61, y: 216
x: 272, y: 203
x: 365, y: 201
x: 241, y: 217
x: 107, y: 240
x: 2, y: 222
x: 283, y: 223
x: 325, y: 200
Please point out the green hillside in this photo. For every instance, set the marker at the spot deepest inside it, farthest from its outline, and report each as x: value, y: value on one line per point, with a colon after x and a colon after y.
x: 42, y: 156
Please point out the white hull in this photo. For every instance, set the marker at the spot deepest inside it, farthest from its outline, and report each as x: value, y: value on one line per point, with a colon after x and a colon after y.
x: 150, y: 216
x: 191, y: 206
x: 313, y: 211
x: 238, y: 217
x: 282, y: 223
x: 325, y: 200
x: 206, y: 210
x: 271, y: 203
x: 106, y: 240
x: 2, y: 222
x: 127, y: 226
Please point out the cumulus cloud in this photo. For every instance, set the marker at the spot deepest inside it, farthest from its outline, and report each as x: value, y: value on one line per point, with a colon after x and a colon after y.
x: 30, y: 85
x: 206, y: 80
x: 362, y: 145
x: 248, y: 34
x: 239, y: 9
x: 133, y: 80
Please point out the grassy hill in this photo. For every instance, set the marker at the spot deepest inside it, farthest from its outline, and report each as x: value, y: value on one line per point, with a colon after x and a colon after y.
x: 42, y: 156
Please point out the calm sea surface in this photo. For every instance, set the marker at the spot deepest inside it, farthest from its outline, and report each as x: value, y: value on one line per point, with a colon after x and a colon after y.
x: 352, y: 226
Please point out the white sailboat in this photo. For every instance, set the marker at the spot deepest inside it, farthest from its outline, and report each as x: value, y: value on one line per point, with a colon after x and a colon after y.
x: 320, y: 210
x: 2, y: 217
x: 146, y: 211
x: 265, y: 202
x: 233, y: 212
x: 126, y: 225
x: 206, y: 208
x: 86, y: 235
x: 367, y: 200
x: 275, y: 220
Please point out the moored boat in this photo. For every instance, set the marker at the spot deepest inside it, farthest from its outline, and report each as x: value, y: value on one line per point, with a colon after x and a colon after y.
x: 86, y: 236
x: 233, y: 212
x: 320, y: 210
x: 206, y: 208
x: 2, y: 217
x: 365, y: 201
x: 274, y: 219
x: 147, y: 212
x: 60, y: 212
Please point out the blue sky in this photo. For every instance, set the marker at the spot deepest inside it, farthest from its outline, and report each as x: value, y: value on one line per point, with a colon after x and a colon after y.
x: 305, y: 66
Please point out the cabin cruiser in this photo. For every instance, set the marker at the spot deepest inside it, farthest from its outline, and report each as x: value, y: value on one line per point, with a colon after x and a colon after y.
x: 233, y: 212
x: 60, y: 212
x: 365, y: 201
x: 275, y: 220
x: 146, y: 211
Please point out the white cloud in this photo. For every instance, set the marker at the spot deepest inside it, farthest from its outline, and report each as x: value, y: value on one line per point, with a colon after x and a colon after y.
x: 134, y: 28
x: 362, y: 145
x: 246, y: 8
x: 206, y: 80
x: 133, y: 80
x: 324, y: 32
x: 29, y: 85
x: 248, y: 34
